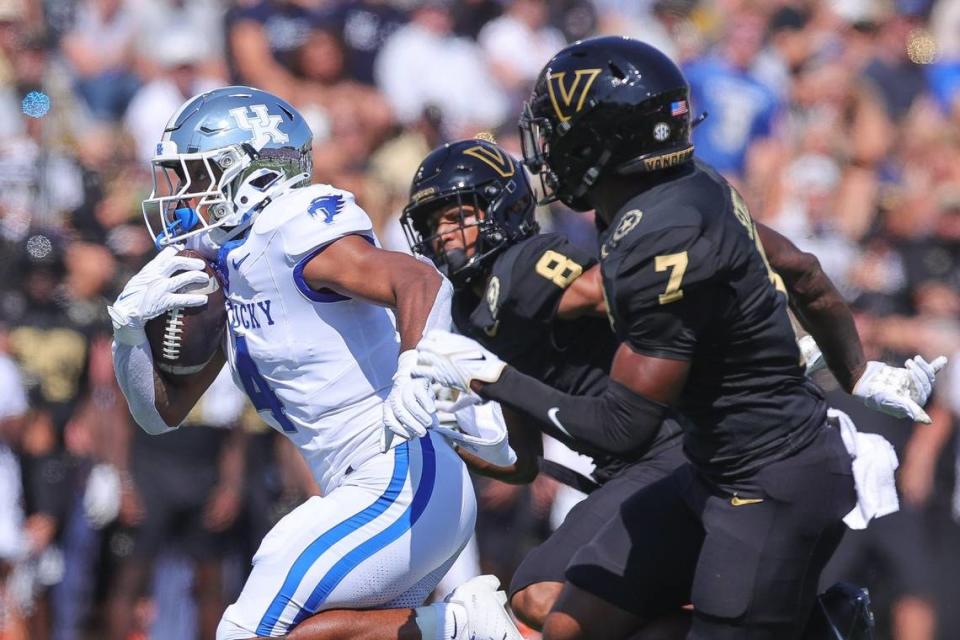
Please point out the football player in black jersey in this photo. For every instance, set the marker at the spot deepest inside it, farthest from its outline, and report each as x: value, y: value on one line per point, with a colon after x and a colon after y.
x: 744, y: 529
x: 534, y: 299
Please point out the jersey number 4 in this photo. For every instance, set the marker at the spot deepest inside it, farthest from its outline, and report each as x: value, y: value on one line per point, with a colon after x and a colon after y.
x: 259, y: 392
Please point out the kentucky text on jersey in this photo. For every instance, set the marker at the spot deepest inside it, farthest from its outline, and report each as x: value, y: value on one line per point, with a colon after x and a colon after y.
x: 250, y: 315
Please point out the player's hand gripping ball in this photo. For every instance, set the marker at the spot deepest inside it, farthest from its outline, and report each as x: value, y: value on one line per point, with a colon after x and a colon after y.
x: 183, y: 339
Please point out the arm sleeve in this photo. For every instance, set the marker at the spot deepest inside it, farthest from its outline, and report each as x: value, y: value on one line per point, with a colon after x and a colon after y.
x: 618, y: 421
x: 133, y: 365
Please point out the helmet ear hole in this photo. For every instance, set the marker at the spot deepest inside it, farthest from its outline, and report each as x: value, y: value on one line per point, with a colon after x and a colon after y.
x: 617, y: 71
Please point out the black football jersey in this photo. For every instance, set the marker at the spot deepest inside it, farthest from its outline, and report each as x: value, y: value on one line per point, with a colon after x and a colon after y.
x: 686, y: 278
x: 516, y: 319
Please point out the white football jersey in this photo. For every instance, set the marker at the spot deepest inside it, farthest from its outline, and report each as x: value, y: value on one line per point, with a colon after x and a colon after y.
x: 316, y: 364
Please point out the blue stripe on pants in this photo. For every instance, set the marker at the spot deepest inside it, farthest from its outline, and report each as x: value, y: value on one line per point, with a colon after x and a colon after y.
x: 320, y: 546
x: 404, y: 523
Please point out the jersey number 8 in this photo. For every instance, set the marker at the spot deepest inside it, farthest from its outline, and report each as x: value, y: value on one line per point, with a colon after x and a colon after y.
x: 558, y: 268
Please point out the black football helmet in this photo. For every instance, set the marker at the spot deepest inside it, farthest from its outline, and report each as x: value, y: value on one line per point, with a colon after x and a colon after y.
x: 469, y: 172
x: 604, y: 104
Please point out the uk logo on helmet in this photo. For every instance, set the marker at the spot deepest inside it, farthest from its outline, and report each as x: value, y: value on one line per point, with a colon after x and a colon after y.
x: 264, y: 127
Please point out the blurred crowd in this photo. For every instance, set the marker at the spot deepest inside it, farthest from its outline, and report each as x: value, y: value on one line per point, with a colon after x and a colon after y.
x: 839, y: 121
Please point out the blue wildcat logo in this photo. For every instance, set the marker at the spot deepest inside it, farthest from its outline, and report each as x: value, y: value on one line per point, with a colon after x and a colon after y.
x: 329, y: 205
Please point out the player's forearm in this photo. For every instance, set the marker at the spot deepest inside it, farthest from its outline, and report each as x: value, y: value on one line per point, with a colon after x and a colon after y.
x: 155, y: 402
x: 415, y: 290
x: 583, y: 297
x: 526, y: 441
x: 523, y: 471
x: 133, y: 365
x: 618, y: 421
x: 422, y: 303
x: 828, y: 319
x: 818, y: 306
x: 175, y: 398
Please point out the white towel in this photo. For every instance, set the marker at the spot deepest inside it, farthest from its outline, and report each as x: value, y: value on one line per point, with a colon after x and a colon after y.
x: 874, y: 472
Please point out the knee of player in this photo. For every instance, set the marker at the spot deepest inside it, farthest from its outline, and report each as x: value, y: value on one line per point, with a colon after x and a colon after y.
x: 532, y: 603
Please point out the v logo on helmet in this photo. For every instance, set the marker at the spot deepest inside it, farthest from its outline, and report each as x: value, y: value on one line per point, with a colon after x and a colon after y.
x: 568, y: 94
x: 494, y: 158
x: 264, y: 128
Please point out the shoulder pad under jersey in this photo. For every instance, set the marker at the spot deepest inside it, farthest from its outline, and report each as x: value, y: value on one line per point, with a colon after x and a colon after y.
x: 311, y: 217
x: 531, y: 276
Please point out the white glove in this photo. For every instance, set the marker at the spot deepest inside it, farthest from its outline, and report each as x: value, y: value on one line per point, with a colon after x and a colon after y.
x: 899, y: 392
x: 812, y: 356
x: 450, y: 402
x: 409, y: 408
x: 454, y: 360
x: 153, y: 291
x: 481, y: 429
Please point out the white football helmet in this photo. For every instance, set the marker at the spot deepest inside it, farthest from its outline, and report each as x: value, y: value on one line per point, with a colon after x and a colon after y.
x: 223, y: 156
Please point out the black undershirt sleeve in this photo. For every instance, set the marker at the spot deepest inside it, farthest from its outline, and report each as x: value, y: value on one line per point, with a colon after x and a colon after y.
x: 618, y: 421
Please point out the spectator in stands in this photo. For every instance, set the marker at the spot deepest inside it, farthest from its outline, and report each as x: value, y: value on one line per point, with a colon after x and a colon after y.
x: 159, y: 20
x: 365, y: 25
x: 263, y: 38
x: 349, y: 119
x: 423, y: 64
x: 178, y: 56
x: 518, y: 44
x: 470, y: 16
x: 12, y: 23
x: 100, y: 48
x: 657, y: 23
x: 742, y: 109
x: 896, y: 69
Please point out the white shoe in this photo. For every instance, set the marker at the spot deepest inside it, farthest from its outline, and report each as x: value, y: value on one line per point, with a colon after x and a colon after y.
x: 486, y: 617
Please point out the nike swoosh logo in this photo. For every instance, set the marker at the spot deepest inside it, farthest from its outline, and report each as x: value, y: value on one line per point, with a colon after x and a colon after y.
x: 737, y: 501
x: 237, y: 263
x: 126, y: 295
x: 552, y: 414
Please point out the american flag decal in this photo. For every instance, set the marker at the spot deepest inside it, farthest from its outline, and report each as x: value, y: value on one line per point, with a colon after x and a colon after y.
x: 678, y: 108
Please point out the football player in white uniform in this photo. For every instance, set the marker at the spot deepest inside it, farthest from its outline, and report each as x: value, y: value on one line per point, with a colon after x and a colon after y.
x: 312, y: 341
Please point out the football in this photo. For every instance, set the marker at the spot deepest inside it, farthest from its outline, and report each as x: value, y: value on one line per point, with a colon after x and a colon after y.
x: 184, y: 339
